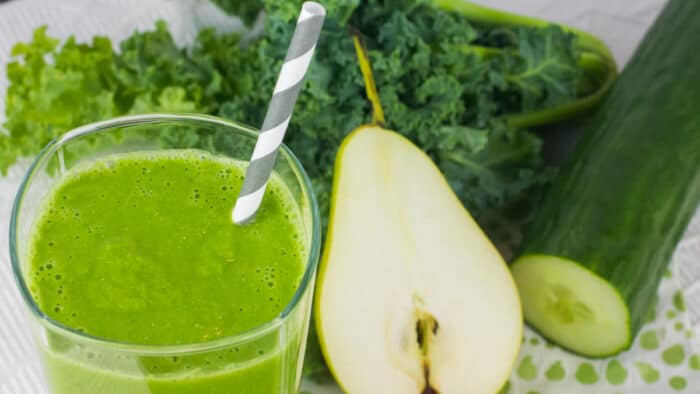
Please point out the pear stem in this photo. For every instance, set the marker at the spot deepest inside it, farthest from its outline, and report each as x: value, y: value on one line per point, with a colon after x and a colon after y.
x: 368, y: 76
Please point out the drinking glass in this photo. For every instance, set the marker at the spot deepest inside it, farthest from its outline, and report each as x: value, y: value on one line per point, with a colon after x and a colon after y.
x: 266, y: 359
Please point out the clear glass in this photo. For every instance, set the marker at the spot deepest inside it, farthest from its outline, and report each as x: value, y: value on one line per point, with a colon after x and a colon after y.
x: 77, y: 363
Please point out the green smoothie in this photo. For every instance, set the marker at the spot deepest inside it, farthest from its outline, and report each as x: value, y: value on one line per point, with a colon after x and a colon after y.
x: 140, y: 248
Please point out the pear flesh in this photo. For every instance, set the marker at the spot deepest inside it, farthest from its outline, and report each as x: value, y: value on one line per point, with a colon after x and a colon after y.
x: 412, y: 297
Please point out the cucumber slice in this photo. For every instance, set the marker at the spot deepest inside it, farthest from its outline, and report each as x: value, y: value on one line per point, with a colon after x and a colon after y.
x: 572, y: 306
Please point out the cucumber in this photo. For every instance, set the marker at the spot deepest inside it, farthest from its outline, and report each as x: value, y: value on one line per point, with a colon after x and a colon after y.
x: 591, y: 262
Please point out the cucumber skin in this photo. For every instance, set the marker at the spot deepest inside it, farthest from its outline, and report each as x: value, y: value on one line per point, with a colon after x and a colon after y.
x: 622, y: 203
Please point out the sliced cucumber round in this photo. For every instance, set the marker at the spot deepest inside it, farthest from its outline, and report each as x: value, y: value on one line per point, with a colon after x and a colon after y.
x: 572, y: 306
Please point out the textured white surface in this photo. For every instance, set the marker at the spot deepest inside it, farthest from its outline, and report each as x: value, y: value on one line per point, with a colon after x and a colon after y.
x: 620, y: 22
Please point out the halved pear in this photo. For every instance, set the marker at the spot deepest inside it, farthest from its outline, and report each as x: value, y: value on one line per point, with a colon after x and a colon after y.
x: 412, y: 297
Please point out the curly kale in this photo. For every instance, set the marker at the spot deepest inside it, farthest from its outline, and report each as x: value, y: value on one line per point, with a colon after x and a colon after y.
x: 437, y: 86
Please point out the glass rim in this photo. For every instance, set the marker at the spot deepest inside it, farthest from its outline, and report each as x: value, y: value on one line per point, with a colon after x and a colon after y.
x: 145, y: 349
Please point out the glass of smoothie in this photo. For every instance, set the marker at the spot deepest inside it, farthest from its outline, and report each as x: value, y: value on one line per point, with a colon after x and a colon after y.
x: 134, y: 276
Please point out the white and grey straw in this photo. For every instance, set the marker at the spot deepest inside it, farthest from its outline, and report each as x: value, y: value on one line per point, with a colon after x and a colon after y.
x: 279, y: 112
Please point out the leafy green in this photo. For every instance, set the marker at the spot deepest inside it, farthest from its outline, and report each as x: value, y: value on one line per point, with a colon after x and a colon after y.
x: 149, y: 63
x: 54, y: 88
x: 45, y: 100
x: 544, y: 72
x: 432, y: 87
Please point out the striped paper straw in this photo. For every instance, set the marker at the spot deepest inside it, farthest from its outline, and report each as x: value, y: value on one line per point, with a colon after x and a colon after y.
x: 279, y: 112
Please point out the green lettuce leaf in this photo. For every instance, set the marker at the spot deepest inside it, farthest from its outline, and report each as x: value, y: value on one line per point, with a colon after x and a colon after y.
x: 46, y: 99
